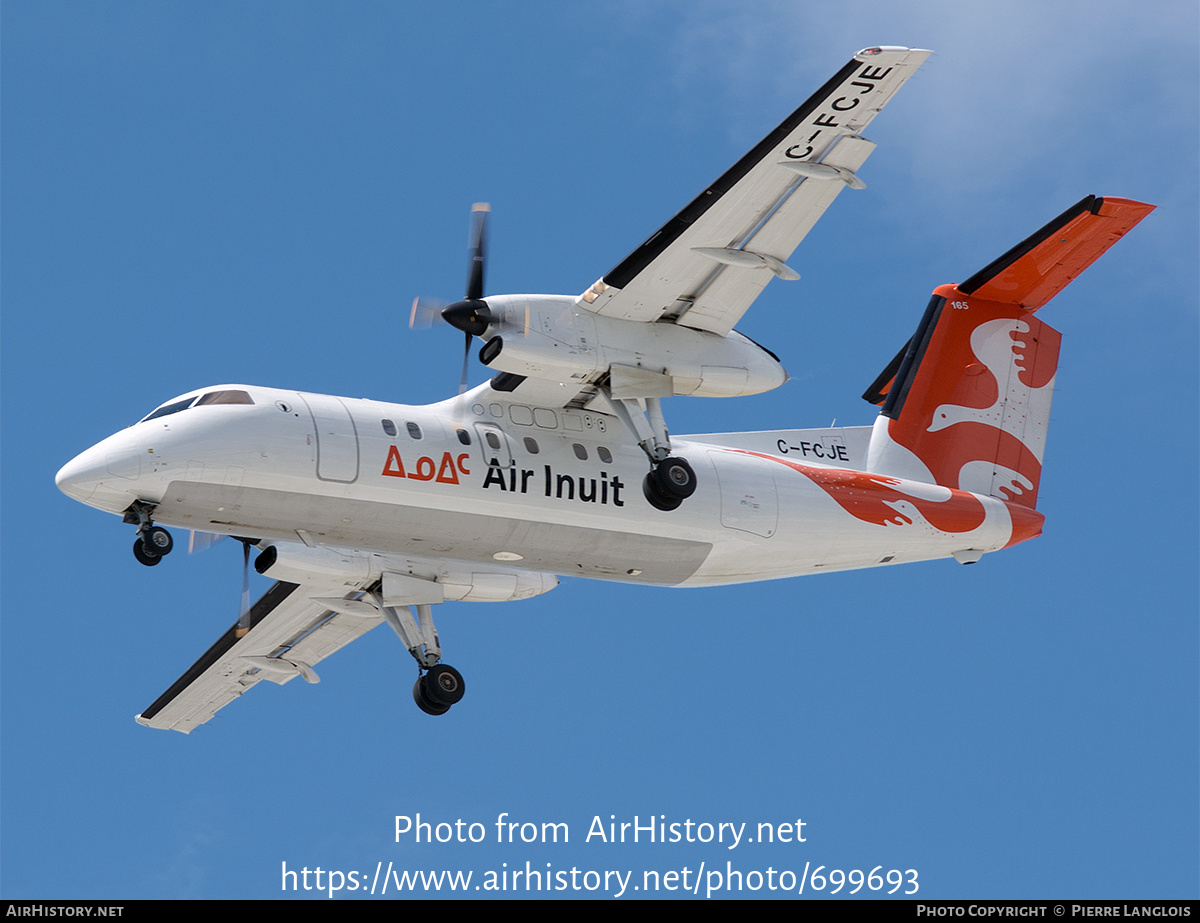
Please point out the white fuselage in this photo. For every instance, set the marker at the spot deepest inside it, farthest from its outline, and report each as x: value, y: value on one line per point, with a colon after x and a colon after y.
x: 486, y: 480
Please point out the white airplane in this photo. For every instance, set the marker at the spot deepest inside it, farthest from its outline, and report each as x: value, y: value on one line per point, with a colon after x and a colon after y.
x: 368, y: 512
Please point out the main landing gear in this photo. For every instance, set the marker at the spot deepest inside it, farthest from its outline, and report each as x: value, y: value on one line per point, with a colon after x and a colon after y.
x: 438, y: 685
x: 153, y: 542
x: 669, y: 483
x: 671, y: 479
x: 438, y: 689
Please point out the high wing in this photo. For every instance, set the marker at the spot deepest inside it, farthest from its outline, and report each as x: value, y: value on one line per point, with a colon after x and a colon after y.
x: 705, y: 266
x: 291, y: 629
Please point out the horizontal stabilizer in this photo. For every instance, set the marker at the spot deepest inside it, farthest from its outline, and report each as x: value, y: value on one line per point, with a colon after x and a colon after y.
x: 1043, y: 264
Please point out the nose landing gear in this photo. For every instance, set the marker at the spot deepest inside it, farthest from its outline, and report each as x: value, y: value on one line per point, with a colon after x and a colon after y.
x: 153, y: 541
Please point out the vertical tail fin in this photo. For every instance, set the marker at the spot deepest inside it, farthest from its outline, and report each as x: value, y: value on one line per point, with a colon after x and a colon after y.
x: 966, y: 402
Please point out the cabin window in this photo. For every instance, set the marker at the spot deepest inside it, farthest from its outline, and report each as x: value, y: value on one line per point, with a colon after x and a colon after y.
x: 492, y: 439
x: 531, y: 445
x: 605, y: 455
x: 580, y: 451
x: 464, y: 437
x: 389, y: 427
x: 413, y: 430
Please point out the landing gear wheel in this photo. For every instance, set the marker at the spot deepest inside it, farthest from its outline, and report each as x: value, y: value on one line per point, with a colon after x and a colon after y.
x: 444, y: 684
x: 674, y: 478
x: 656, y: 499
x: 424, y: 702
x: 143, y: 556
x: 157, y: 541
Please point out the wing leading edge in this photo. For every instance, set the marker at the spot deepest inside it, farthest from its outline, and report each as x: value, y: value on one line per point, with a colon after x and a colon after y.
x: 705, y: 266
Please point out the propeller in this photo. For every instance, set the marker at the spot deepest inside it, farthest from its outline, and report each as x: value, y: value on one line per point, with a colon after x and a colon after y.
x: 243, y: 623
x: 426, y: 313
x: 472, y: 315
x: 201, y: 541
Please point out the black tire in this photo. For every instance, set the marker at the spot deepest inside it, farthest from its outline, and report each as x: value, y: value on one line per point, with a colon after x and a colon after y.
x: 157, y: 541
x: 674, y: 478
x: 656, y: 499
x: 444, y: 684
x: 426, y: 704
x: 143, y: 556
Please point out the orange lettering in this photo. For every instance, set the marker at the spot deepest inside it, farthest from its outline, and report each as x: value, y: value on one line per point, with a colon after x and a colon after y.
x: 424, y: 470
x: 393, y: 459
x: 446, y: 473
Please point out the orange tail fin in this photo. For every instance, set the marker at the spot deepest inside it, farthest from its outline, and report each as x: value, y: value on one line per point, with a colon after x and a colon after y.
x: 966, y: 402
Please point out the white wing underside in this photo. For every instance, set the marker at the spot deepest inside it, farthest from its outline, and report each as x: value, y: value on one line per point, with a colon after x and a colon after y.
x: 291, y: 632
x: 706, y: 266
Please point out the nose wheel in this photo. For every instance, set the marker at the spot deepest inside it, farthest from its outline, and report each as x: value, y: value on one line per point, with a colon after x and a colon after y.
x: 143, y: 556
x: 153, y: 541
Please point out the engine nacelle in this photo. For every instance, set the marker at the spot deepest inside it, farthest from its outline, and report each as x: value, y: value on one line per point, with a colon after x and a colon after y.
x: 551, y: 337
x: 320, y: 565
x: 294, y: 563
x: 495, y: 587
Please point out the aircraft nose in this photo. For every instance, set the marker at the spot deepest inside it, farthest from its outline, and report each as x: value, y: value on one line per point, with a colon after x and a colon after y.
x: 105, y: 476
x: 80, y: 477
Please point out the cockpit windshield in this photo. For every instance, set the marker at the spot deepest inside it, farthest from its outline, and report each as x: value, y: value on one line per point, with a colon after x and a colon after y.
x: 212, y: 397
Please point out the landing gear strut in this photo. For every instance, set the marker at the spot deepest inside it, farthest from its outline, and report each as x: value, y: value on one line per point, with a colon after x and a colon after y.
x: 153, y: 541
x: 438, y: 685
x: 671, y: 479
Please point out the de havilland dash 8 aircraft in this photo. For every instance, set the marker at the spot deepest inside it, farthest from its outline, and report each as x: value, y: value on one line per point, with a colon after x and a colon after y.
x: 366, y: 512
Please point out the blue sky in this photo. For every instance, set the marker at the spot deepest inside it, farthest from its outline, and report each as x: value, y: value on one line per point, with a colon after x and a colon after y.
x: 197, y: 193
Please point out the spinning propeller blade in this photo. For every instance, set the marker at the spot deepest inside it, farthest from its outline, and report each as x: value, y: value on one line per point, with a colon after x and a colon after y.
x: 426, y: 313
x: 243, y: 624
x: 471, y: 315
x: 202, y: 541
x: 478, y: 250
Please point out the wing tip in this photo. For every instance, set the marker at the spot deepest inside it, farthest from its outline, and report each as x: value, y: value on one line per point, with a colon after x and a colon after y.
x: 867, y: 54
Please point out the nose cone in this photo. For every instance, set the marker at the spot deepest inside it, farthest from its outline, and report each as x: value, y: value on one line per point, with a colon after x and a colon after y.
x: 80, y: 477
x: 104, y: 476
